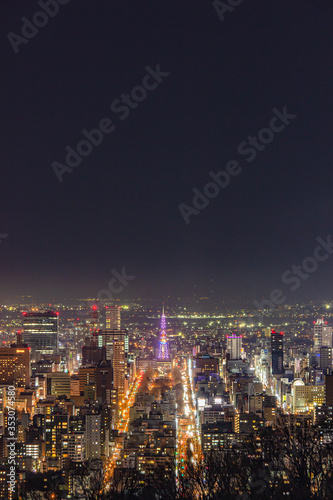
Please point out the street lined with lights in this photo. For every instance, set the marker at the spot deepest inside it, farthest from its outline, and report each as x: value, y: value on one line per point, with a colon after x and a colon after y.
x: 188, y: 436
x: 122, y: 427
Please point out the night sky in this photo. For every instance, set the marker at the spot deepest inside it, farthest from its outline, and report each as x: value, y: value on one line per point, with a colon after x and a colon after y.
x: 120, y: 206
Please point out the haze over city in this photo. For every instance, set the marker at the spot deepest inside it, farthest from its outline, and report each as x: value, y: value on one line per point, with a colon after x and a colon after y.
x: 120, y: 206
x: 166, y: 250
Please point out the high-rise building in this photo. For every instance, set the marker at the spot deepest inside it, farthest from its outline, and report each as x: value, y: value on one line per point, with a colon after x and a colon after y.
x: 322, y: 335
x: 93, y: 322
x: 104, y: 382
x: 56, y: 425
x: 93, y: 436
x: 277, y: 352
x: 41, y: 331
x: 329, y: 389
x: 15, y: 366
x: 76, y: 447
x: 118, y: 362
x: 112, y: 314
x: 106, y: 338
x: 87, y: 376
x: 325, y: 359
x: 72, y: 447
x: 234, y: 346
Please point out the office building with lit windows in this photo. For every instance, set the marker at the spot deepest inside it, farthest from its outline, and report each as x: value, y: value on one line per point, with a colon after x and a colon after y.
x: 40, y: 331
x: 112, y: 315
x: 114, y: 341
x: 234, y: 346
x: 306, y: 397
x: 15, y: 366
x: 59, y: 384
x: 322, y: 335
x: 93, y: 436
x: 56, y: 426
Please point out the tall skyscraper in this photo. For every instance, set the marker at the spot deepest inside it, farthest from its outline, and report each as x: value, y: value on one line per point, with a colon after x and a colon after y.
x: 114, y: 342
x: 325, y: 359
x: 277, y: 352
x: 118, y: 362
x: 41, y: 331
x: 234, y: 346
x: 329, y: 390
x: 93, y: 322
x: 163, y: 347
x: 56, y: 425
x: 112, y: 314
x: 322, y: 335
x: 15, y: 366
x: 104, y: 382
x: 93, y: 436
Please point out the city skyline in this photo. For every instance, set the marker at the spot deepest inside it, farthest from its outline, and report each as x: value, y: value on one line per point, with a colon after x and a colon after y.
x: 166, y: 250
x: 163, y: 390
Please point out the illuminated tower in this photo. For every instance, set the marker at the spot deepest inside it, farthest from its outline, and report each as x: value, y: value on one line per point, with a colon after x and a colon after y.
x: 163, y: 347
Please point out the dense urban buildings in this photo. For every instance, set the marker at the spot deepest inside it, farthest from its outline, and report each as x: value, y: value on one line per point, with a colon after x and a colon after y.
x: 163, y: 392
x: 166, y: 250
